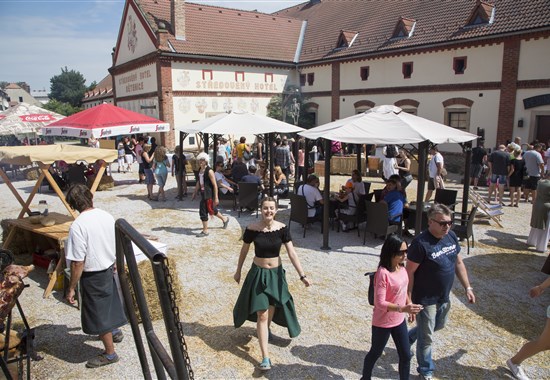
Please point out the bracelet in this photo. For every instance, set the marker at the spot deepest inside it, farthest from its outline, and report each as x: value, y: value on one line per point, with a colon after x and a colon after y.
x: 303, y: 276
x: 469, y: 288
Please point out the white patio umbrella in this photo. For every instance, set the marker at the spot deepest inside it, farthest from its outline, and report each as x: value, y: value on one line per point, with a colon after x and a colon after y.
x: 26, y: 118
x: 239, y: 122
x: 387, y: 124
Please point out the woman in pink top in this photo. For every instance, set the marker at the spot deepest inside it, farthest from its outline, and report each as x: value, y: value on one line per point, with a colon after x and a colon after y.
x: 390, y: 304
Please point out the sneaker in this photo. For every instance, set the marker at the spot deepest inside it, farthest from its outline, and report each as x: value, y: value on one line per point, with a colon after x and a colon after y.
x: 343, y: 226
x: 202, y: 234
x: 265, y: 365
x: 101, y: 360
x: 426, y: 377
x: 118, y: 336
x: 226, y: 222
x: 516, y: 370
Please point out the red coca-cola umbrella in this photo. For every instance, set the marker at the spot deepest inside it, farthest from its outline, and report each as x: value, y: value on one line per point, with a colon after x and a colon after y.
x: 105, y: 120
x: 26, y: 118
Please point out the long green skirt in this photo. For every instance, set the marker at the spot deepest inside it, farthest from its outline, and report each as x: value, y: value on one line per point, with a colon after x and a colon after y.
x: 262, y: 288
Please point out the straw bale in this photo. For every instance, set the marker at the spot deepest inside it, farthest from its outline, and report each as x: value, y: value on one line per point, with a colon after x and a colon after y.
x: 32, y: 174
x: 150, y: 288
x: 107, y: 182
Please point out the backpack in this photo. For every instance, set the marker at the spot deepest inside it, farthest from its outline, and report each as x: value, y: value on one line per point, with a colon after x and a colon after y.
x: 371, y: 287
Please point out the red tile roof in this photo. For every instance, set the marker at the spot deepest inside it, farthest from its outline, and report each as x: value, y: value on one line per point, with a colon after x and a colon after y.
x: 103, y: 89
x: 224, y: 32
x: 437, y: 22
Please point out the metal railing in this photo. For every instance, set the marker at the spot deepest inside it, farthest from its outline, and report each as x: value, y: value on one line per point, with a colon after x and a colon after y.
x: 178, y: 365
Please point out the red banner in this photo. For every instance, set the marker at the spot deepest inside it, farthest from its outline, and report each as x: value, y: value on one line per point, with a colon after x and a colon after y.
x: 37, y: 118
x: 2, y: 116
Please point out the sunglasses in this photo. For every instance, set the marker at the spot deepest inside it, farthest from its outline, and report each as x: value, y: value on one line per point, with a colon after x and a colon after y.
x: 444, y: 223
x: 402, y: 252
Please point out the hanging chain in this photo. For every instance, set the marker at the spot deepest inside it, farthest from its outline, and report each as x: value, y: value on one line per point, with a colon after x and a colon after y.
x: 176, y: 313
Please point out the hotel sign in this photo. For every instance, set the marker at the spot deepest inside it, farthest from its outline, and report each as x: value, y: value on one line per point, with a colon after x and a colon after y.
x: 136, y: 82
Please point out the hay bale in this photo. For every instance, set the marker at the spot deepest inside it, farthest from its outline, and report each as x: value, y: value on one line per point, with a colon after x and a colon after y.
x: 150, y: 288
x: 106, y: 182
x: 32, y: 174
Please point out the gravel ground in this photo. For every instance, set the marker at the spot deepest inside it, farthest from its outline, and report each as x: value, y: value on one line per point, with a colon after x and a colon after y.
x: 334, y: 312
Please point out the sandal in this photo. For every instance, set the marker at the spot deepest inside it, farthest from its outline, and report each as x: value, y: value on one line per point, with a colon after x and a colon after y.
x: 265, y: 365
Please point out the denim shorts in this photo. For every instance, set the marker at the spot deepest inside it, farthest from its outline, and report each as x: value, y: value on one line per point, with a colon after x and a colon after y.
x: 501, y: 178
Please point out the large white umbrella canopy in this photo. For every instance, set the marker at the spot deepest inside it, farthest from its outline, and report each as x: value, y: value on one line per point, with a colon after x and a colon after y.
x: 387, y: 124
x: 26, y: 118
x: 240, y: 123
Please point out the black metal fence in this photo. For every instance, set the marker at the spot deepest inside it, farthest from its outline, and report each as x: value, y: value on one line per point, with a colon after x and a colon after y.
x: 178, y: 365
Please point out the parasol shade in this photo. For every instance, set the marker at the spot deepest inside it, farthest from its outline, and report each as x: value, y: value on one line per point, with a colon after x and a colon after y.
x: 105, y: 120
x: 26, y: 118
x: 47, y: 154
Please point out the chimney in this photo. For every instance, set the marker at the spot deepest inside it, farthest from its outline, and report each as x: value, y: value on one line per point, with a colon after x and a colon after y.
x: 178, y: 18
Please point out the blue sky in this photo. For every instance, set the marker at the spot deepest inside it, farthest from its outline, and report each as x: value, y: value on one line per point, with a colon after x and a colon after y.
x: 39, y: 37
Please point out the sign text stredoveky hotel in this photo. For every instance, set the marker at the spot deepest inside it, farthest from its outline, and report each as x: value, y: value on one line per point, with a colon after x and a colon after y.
x: 135, y: 82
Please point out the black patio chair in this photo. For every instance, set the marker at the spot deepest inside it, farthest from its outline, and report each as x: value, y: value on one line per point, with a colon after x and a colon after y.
x: 358, y: 217
x: 377, y: 220
x: 299, y: 210
x: 248, y: 197
x: 464, y: 227
x: 446, y: 197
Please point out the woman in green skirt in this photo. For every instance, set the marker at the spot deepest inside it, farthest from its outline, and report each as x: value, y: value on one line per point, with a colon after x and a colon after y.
x: 264, y: 296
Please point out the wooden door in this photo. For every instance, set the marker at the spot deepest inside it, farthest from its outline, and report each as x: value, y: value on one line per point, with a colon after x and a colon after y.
x: 543, y: 128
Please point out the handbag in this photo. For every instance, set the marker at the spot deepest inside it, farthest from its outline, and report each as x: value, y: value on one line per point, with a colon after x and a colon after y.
x: 371, y: 287
x: 247, y: 155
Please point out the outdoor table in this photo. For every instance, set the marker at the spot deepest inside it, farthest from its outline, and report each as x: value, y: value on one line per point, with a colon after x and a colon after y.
x: 410, y: 221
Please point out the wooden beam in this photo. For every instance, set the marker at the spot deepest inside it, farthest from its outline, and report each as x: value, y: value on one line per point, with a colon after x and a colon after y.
x: 55, y: 187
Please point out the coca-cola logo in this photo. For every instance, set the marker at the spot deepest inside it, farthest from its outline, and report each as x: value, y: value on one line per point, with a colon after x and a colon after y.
x: 64, y: 131
x: 105, y: 132
x: 2, y: 116
x: 83, y: 133
x: 37, y: 118
x: 134, y: 129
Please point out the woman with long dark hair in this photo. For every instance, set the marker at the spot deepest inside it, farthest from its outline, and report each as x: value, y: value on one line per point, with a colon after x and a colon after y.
x: 391, y: 302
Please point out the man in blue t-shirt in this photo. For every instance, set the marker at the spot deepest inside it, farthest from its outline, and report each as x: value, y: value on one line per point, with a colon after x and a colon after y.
x: 432, y: 262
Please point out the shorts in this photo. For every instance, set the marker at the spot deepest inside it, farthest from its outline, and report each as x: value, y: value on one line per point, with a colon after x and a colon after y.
x: 531, y: 183
x: 501, y: 178
x: 475, y: 170
x: 432, y: 183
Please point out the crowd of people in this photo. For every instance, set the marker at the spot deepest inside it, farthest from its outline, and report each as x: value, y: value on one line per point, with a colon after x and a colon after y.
x: 413, y: 281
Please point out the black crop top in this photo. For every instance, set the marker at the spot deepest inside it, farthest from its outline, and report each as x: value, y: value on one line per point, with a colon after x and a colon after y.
x: 267, y: 244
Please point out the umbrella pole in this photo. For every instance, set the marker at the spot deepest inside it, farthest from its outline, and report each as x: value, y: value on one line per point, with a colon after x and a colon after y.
x: 467, y: 147
x: 326, y: 195
x: 269, y: 154
x: 181, y: 169
x: 422, y: 155
x: 358, y: 151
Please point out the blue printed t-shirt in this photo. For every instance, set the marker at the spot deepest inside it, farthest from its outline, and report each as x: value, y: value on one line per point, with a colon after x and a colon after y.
x: 395, y: 201
x: 433, y: 279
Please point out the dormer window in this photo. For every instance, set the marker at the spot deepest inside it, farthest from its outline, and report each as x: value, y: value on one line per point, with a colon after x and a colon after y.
x: 483, y: 14
x: 346, y: 39
x: 404, y: 28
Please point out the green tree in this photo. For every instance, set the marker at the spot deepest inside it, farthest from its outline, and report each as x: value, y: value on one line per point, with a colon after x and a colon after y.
x: 65, y: 109
x: 3, y: 84
x: 68, y: 87
x: 92, y: 86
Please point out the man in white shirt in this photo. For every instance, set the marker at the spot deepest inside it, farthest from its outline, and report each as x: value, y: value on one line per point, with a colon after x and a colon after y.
x: 314, y: 198
x: 91, y: 251
x: 434, y: 170
x: 224, y: 184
